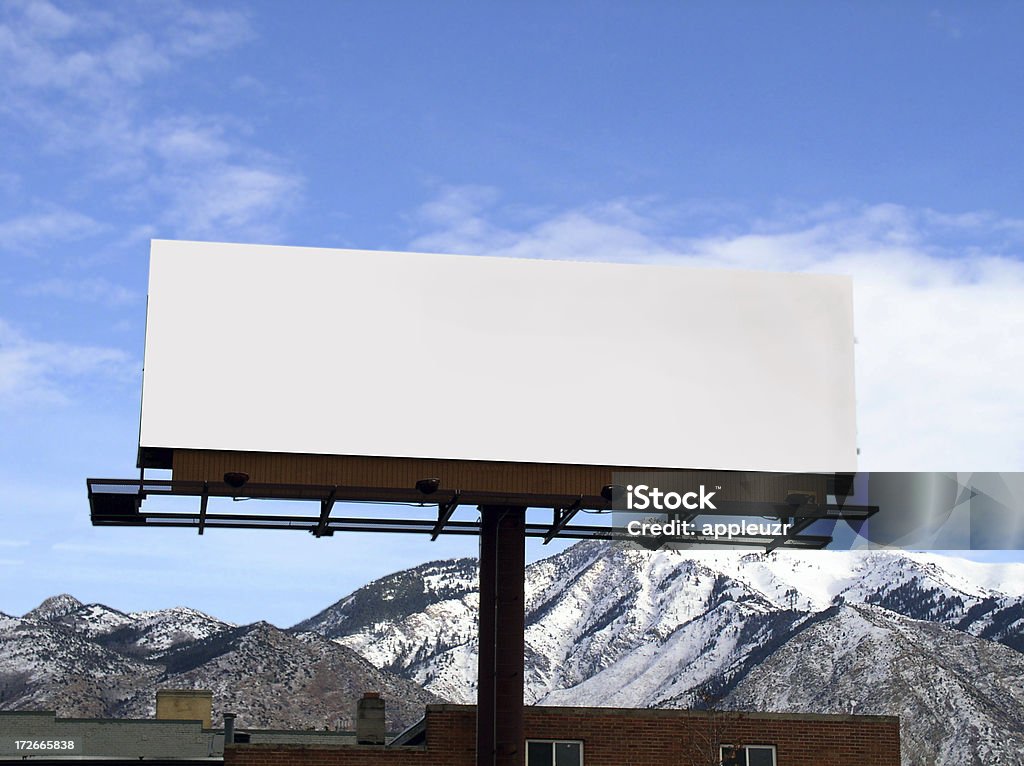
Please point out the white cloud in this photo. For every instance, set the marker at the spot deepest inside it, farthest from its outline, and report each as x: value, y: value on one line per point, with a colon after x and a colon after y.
x: 939, y: 318
x: 86, y: 58
x: 211, y: 187
x: 201, y: 30
x: 945, y: 23
x: 93, y: 549
x: 81, y: 78
x: 189, y: 141
x: 48, y: 20
x: 26, y: 233
x: 231, y: 200
x: 34, y: 372
x: 87, y: 290
x: 89, y: 54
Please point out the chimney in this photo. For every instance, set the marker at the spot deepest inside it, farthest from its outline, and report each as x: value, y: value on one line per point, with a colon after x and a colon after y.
x: 229, y: 729
x: 185, y: 705
x: 370, y: 719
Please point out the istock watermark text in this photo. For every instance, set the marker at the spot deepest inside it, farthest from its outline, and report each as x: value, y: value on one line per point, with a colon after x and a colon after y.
x: 642, y: 497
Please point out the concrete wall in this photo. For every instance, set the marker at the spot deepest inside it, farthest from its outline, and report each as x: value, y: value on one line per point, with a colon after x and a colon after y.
x: 110, y: 738
x: 133, y: 739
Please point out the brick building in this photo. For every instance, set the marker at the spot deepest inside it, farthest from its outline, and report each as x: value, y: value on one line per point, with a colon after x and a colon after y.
x: 562, y: 736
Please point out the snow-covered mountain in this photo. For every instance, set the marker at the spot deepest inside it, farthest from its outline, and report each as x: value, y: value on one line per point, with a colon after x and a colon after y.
x: 598, y: 608
x: 933, y: 639
x: 144, y: 634
x: 961, y: 698
x: 91, y: 660
x: 613, y: 626
x: 46, y: 666
x: 413, y: 623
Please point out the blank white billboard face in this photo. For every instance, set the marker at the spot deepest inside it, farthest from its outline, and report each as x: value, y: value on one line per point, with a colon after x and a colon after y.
x: 346, y: 352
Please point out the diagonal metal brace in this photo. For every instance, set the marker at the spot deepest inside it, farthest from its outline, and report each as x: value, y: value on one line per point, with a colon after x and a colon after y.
x: 444, y: 514
x: 326, y: 506
x: 204, y: 500
x: 798, y: 526
x: 561, y: 519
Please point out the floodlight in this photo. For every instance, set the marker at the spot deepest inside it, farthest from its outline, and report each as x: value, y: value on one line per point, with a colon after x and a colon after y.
x: 428, y: 486
x: 236, y: 479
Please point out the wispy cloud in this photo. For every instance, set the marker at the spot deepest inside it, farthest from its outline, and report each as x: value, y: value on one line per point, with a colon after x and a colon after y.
x: 211, y: 185
x: 937, y: 303
x: 89, y: 53
x: 231, y: 199
x: 81, y: 79
x: 34, y: 372
x: 87, y: 290
x: 26, y: 233
x: 120, y: 551
x: 947, y: 24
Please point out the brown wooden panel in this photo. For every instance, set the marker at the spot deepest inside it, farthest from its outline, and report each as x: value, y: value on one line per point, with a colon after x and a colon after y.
x: 469, y: 475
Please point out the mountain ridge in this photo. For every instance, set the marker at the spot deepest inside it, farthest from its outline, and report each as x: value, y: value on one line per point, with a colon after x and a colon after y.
x: 605, y: 626
x: 88, y: 660
x: 609, y: 626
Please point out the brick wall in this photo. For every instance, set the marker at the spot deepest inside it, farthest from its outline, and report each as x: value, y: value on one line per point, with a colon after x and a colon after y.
x: 615, y: 737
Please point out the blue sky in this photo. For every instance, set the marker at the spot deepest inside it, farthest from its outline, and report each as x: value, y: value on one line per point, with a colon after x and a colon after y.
x: 881, y: 141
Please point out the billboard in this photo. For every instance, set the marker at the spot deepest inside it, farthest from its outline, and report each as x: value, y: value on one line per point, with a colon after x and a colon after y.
x: 253, y: 348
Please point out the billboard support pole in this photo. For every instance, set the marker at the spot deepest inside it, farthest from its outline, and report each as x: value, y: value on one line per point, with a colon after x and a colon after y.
x: 499, y: 731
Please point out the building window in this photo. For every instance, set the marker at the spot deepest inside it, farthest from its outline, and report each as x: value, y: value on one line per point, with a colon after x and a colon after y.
x: 748, y: 755
x: 554, y: 752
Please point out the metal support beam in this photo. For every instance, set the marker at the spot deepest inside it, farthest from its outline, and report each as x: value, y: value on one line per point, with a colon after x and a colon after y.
x: 500, y: 737
x: 797, y: 526
x: 326, y: 506
x: 203, y: 502
x: 444, y: 514
x: 805, y: 511
x: 562, y: 516
x: 118, y: 502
